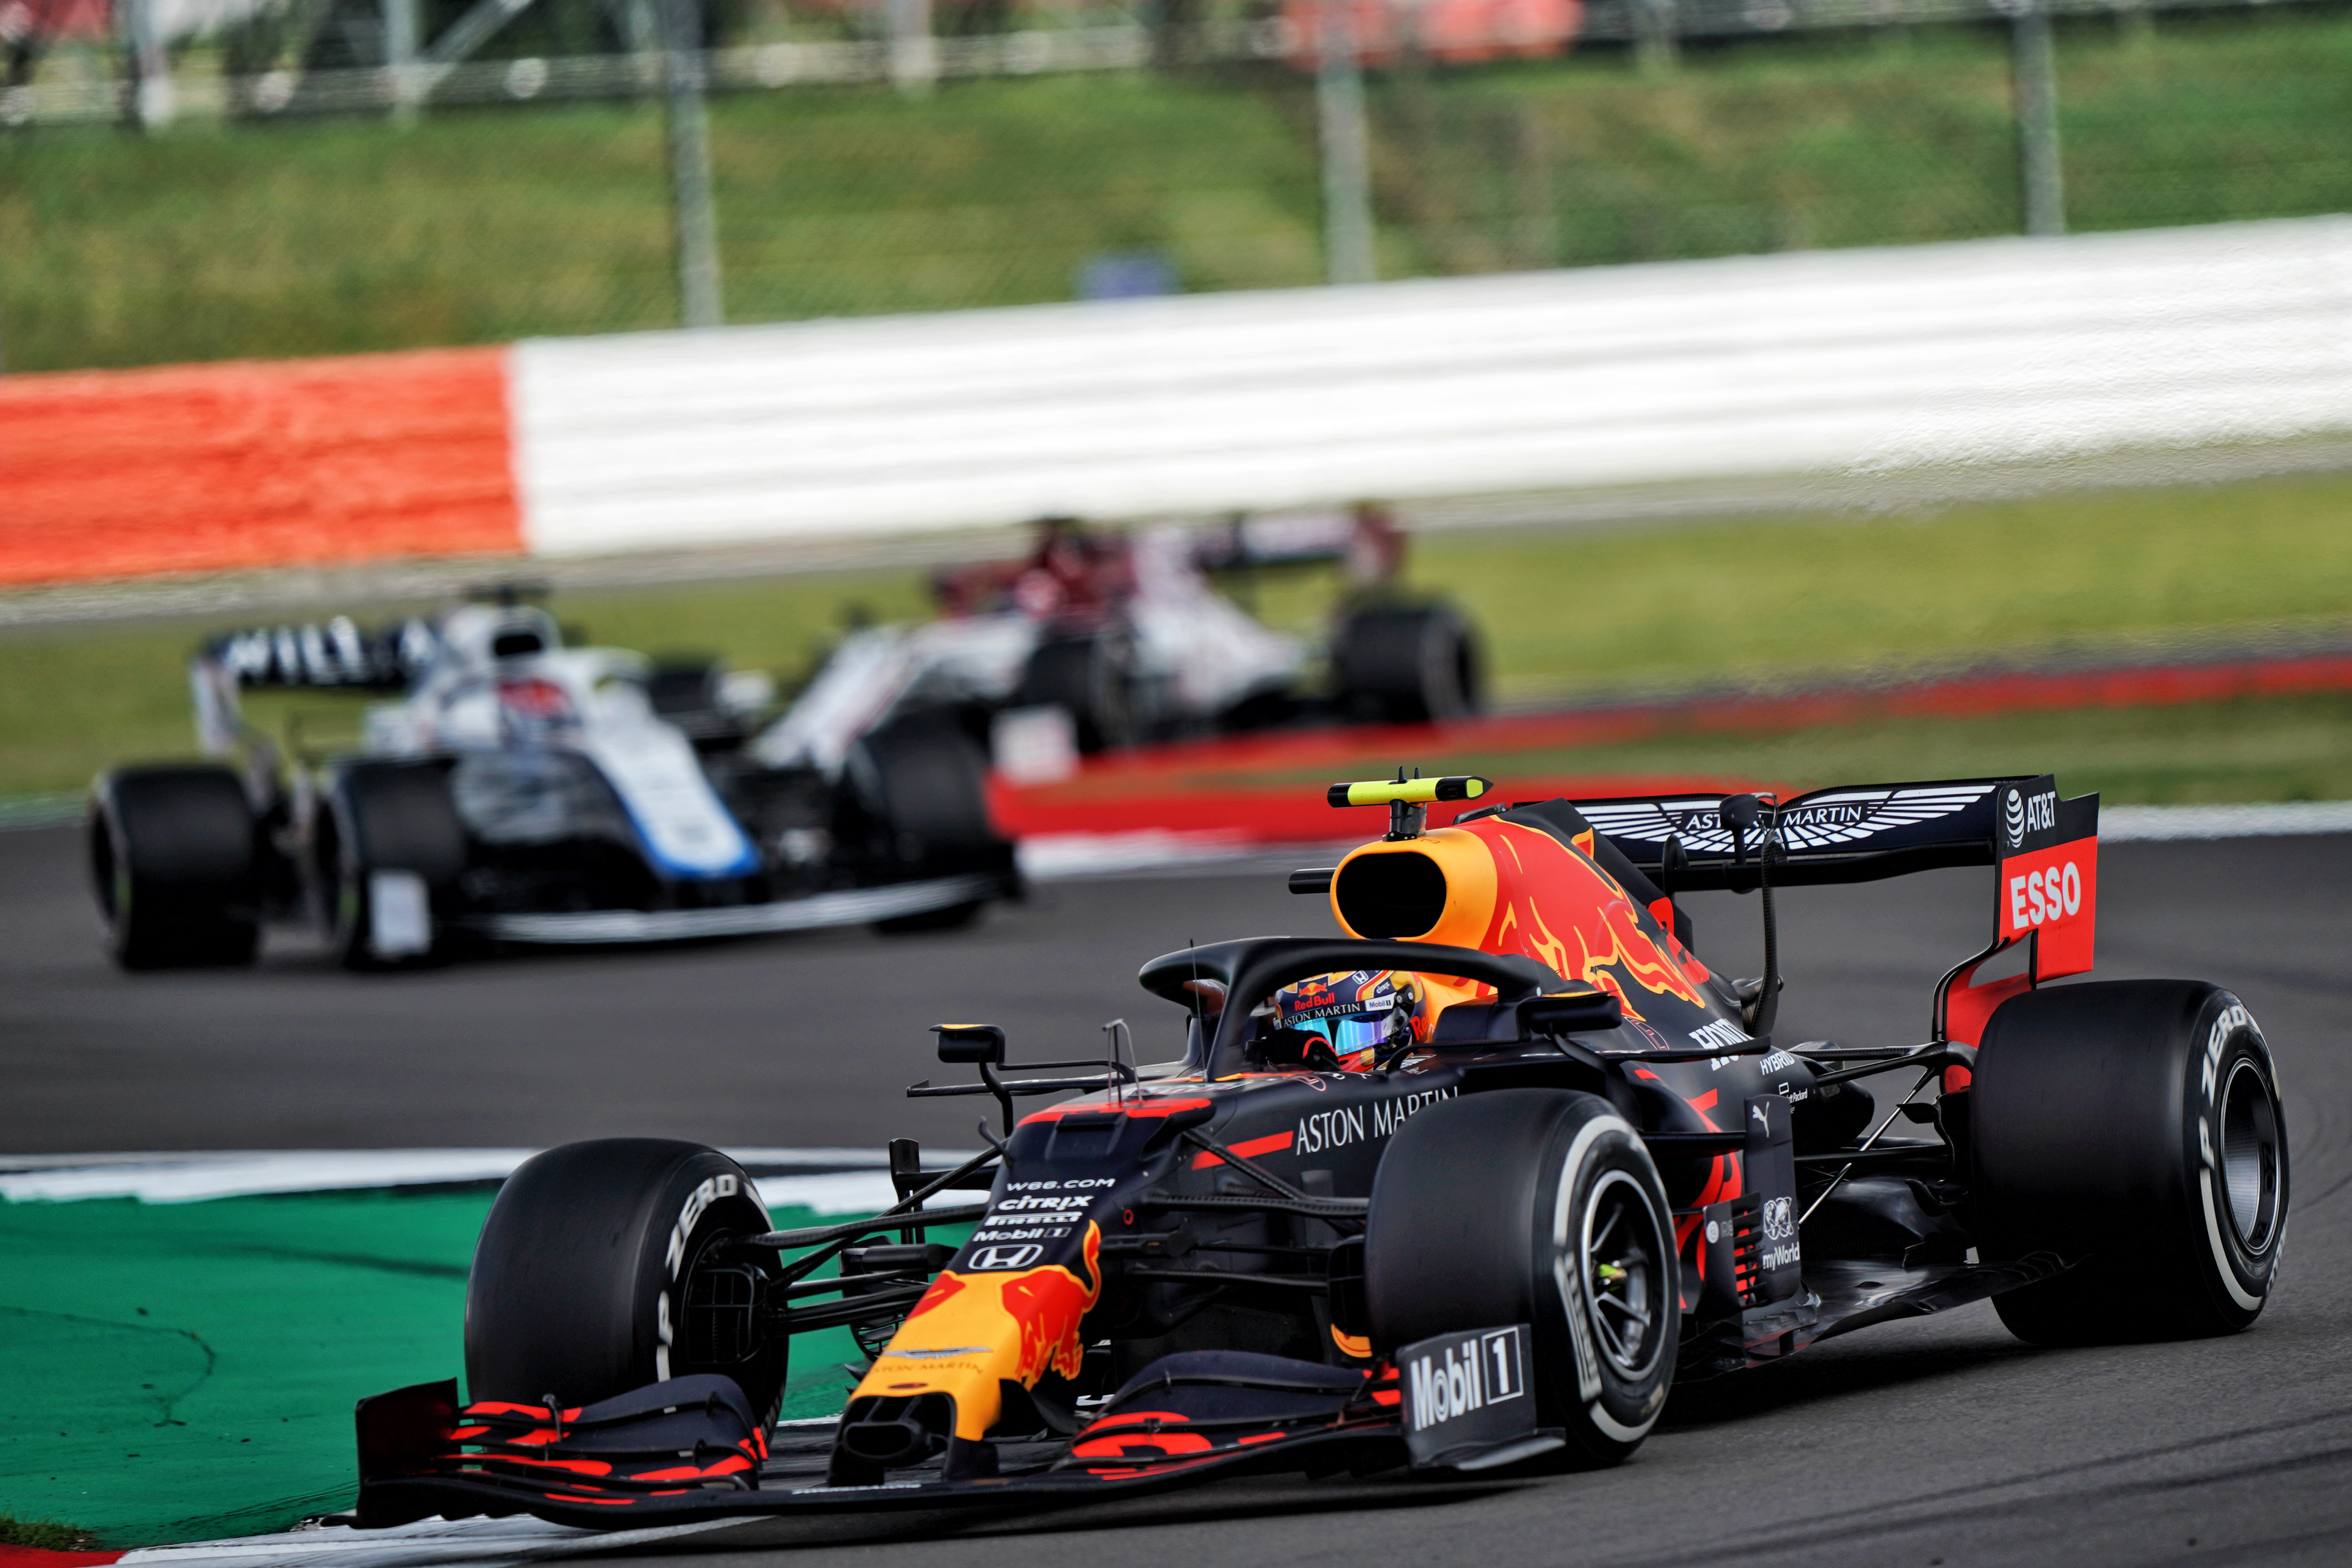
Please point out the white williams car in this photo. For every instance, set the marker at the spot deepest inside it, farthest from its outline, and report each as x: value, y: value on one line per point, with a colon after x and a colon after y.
x: 516, y: 790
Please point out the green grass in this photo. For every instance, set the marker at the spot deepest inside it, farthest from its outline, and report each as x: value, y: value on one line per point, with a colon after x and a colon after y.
x: 44, y: 1534
x: 180, y: 1372
x: 2296, y: 748
x: 2062, y: 575
x: 481, y: 226
x: 484, y: 225
x: 1896, y: 139
x: 1783, y: 602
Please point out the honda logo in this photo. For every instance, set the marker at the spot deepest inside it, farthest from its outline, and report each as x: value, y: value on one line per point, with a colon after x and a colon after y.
x: 990, y: 1258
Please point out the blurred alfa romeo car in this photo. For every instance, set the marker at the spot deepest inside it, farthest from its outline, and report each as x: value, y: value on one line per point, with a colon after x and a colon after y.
x: 513, y: 789
x: 1098, y: 640
x: 1469, y: 1186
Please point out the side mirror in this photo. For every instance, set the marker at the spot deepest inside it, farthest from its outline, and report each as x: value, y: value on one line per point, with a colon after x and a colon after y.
x: 982, y: 1043
x: 1578, y: 1012
x: 1742, y: 811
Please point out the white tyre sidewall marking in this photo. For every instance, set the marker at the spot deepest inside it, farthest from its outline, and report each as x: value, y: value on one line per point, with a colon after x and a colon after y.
x: 707, y: 1191
x: 1571, y: 1283
x: 2225, y: 1031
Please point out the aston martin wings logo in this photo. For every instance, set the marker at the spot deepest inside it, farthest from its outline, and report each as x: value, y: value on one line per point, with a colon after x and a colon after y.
x: 1822, y: 821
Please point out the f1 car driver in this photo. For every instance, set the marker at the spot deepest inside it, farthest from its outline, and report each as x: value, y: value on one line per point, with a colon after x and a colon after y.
x: 1346, y: 1023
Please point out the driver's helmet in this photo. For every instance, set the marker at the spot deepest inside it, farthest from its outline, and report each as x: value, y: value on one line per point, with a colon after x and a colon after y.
x: 1363, y: 1013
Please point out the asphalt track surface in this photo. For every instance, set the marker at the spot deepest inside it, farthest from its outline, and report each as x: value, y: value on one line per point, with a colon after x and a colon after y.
x: 1942, y: 1441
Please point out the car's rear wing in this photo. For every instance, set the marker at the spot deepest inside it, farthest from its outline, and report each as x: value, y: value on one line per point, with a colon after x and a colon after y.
x: 1850, y: 833
x: 2047, y: 850
x: 335, y: 654
x: 330, y: 653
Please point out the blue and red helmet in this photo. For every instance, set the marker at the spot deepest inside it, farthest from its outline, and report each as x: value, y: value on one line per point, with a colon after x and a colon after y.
x: 1363, y: 1013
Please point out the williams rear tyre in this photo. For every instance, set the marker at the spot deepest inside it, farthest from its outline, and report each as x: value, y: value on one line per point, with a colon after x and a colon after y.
x: 1092, y: 676
x: 389, y: 849
x: 1537, y: 1206
x: 604, y: 1267
x: 2136, y: 1125
x: 1406, y: 664
x: 175, y: 856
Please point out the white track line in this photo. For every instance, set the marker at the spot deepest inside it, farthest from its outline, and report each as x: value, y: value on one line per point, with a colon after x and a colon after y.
x: 828, y: 1181
x: 2146, y: 824
x: 428, y: 1544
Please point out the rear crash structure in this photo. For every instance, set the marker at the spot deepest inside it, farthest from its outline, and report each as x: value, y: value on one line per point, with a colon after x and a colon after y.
x: 1594, y: 1173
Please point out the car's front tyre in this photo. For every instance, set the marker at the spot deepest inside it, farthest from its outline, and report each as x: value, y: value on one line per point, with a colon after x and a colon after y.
x: 604, y: 1266
x: 389, y: 847
x: 1537, y: 1206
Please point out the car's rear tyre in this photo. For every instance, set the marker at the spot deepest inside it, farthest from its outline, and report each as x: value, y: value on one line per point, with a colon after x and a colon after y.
x: 1406, y: 663
x: 922, y: 781
x: 175, y: 861
x: 602, y: 1269
x: 2137, y: 1125
x: 1093, y: 677
x: 387, y: 820
x: 1537, y: 1206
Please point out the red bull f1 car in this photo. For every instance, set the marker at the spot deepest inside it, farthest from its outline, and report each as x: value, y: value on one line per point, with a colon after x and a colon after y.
x: 512, y: 789
x: 1468, y: 1188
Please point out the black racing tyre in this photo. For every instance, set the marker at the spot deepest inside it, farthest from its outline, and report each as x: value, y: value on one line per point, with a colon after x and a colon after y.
x: 2137, y: 1125
x: 1093, y: 677
x: 175, y: 862
x: 1406, y: 663
x: 602, y: 1269
x: 924, y: 780
x: 1537, y: 1206
x: 377, y: 817
x: 690, y: 693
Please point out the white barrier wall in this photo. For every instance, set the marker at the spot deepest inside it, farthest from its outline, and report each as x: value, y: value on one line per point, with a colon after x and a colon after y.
x: 1835, y: 360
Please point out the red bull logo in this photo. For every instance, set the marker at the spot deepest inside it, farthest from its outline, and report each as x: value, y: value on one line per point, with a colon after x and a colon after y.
x: 973, y: 1329
x: 1603, y: 943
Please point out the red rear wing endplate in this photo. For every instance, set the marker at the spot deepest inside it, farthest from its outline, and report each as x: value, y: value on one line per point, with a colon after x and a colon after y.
x: 2046, y: 896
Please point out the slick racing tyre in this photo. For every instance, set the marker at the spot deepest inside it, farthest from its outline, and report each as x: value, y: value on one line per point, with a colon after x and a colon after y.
x: 922, y: 779
x: 390, y: 848
x: 175, y: 859
x: 2135, y: 1125
x: 1537, y: 1206
x: 602, y: 1269
x: 1093, y: 677
x: 1406, y: 664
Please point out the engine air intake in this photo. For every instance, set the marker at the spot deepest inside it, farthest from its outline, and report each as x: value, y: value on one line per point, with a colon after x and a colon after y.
x: 1400, y: 895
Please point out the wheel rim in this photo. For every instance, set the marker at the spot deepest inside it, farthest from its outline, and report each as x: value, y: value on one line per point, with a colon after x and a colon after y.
x: 1625, y: 1278
x: 2250, y: 1156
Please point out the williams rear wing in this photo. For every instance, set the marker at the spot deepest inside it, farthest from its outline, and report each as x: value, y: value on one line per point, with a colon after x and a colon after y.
x: 331, y: 654
x: 1850, y: 833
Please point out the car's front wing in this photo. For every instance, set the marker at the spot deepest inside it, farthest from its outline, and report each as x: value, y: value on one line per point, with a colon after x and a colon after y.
x: 855, y: 906
x: 420, y: 1455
